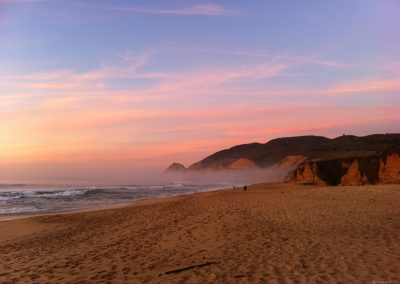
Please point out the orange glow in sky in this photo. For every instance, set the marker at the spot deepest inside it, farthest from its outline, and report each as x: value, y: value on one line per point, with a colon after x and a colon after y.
x: 108, y: 91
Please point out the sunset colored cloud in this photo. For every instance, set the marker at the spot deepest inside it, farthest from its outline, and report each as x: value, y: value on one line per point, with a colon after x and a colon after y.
x: 108, y: 87
x: 194, y: 10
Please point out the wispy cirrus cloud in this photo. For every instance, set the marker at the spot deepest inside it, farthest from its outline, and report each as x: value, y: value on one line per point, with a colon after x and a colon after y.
x: 210, y: 9
x: 166, y: 85
x: 202, y: 110
x: 20, y: 1
x: 317, y: 59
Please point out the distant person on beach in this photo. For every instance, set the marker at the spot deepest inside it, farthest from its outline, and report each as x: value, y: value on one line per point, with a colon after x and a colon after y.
x: 245, y: 188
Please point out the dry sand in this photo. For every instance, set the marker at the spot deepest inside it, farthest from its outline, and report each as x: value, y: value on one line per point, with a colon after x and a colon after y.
x: 270, y: 233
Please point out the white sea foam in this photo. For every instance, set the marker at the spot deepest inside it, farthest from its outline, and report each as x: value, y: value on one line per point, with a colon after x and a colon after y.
x: 8, y: 197
x: 31, y: 199
x: 56, y: 194
x: 18, y: 210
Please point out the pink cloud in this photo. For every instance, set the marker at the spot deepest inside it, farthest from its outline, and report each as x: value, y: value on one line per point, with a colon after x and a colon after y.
x: 198, y: 10
x: 366, y: 86
x: 107, y: 134
x: 94, y: 83
x: 284, y: 58
x: 20, y: 1
x: 168, y: 119
x: 209, y: 82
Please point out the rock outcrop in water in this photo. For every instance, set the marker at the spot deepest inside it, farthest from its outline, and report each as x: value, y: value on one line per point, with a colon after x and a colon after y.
x: 176, y: 167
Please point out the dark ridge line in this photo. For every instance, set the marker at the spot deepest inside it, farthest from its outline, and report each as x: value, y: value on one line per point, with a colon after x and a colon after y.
x: 190, y: 267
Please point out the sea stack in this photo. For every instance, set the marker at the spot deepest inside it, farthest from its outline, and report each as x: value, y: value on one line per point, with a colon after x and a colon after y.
x: 175, y: 168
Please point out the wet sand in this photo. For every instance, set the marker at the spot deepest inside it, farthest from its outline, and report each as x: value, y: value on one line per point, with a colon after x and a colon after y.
x: 271, y: 233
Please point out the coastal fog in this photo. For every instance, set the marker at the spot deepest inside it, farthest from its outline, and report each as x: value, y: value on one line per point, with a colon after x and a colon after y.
x: 233, y: 177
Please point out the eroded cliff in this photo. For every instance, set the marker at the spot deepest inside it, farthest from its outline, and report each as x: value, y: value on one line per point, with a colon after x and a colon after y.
x: 353, y: 175
x: 389, y: 168
x: 374, y: 169
x: 307, y: 173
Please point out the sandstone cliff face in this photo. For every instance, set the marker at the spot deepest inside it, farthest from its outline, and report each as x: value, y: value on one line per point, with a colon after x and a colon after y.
x: 389, y: 169
x: 353, y: 175
x: 307, y: 173
x: 241, y: 164
x: 382, y: 168
x: 356, y: 171
x: 290, y: 162
x: 227, y: 164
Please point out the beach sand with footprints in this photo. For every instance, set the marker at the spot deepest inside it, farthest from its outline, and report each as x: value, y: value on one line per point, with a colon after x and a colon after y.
x: 270, y: 233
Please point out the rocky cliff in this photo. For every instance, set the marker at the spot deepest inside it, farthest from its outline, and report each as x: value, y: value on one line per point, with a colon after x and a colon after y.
x: 353, y: 175
x: 176, y: 167
x: 389, y: 167
x: 380, y: 168
x: 345, y: 160
x: 241, y: 164
x: 307, y: 173
x: 290, y: 162
x: 312, y: 147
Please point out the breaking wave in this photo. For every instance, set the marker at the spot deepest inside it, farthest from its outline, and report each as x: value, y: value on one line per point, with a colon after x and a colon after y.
x: 26, y: 199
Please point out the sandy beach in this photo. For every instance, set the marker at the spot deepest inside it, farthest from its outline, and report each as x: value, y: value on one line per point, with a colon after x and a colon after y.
x: 275, y: 233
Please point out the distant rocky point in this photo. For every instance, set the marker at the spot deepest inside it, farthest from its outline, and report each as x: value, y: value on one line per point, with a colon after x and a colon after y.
x: 345, y: 160
x: 176, y: 167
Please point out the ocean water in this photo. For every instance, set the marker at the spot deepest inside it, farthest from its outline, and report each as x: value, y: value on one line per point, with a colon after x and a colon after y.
x: 34, y: 199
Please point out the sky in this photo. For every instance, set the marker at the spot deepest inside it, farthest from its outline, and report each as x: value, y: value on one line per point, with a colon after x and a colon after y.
x: 106, y: 91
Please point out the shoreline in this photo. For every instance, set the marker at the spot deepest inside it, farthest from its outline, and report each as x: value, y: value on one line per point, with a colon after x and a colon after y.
x: 96, y: 208
x: 26, y: 220
x: 269, y: 233
x: 72, y: 211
